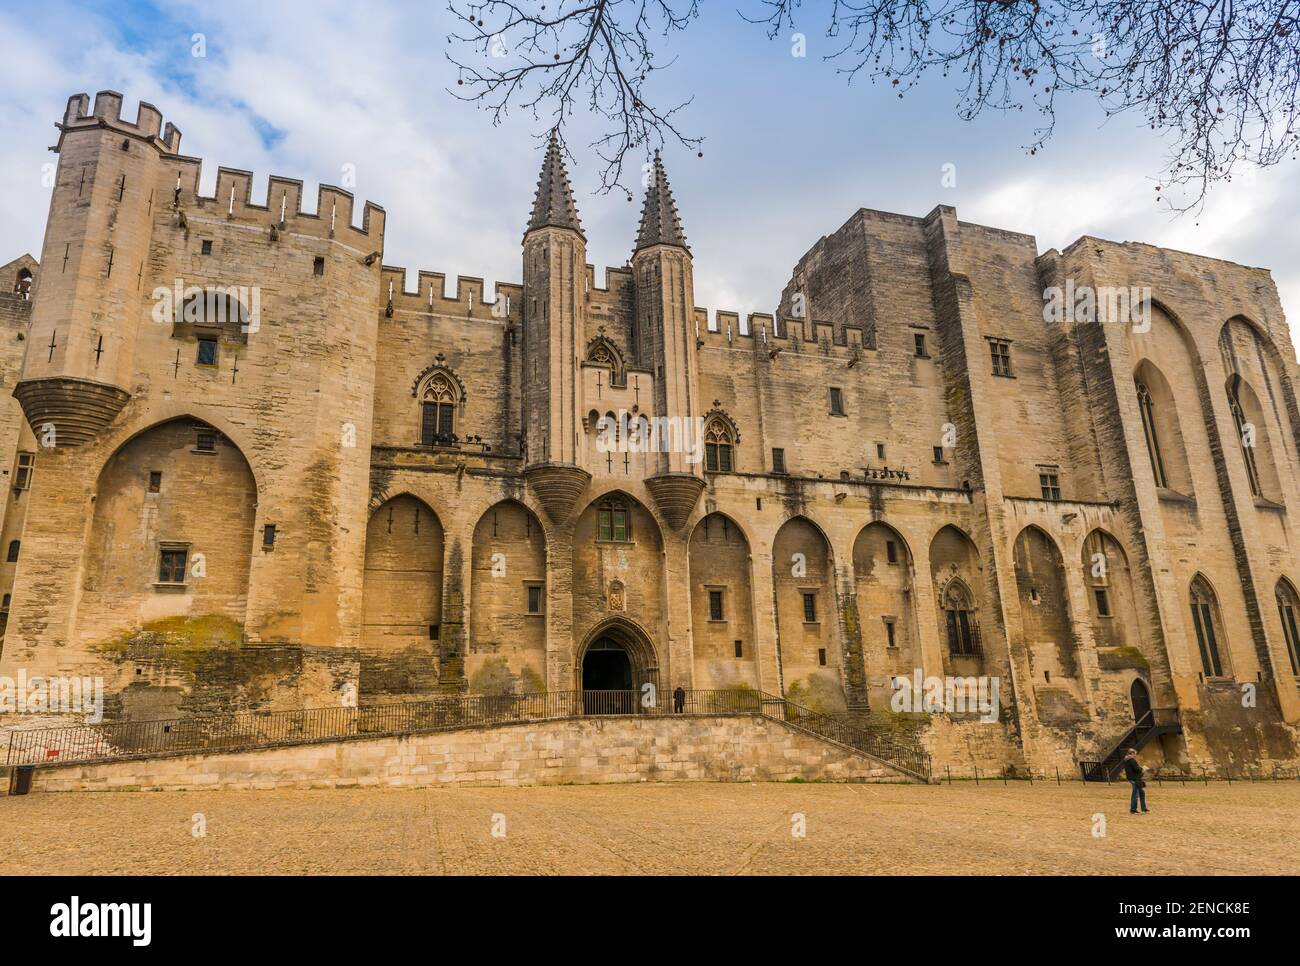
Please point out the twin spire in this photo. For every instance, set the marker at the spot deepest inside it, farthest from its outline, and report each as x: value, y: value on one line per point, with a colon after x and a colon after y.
x: 554, y: 206
x: 660, y: 224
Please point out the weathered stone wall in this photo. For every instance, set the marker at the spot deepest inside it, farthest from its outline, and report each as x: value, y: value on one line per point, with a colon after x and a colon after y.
x: 591, y: 750
x: 323, y: 399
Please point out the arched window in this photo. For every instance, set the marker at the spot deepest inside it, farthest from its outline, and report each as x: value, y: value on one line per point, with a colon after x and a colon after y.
x: 614, y: 523
x: 23, y: 284
x: 438, y: 411
x: 1148, y: 410
x: 13, y: 551
x: 602, y: 352
x: 1205, y: 619
x: 719, y: 443
x: 1287, y: 605
x: 1245, y: 439
x: 959, y: 610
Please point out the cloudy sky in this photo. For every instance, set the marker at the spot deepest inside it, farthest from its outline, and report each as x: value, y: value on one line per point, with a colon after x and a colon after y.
x: 303, y: 89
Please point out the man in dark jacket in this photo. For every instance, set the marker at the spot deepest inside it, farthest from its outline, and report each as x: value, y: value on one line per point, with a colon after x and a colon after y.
x: 679, y: 699
x: 1133, y: 772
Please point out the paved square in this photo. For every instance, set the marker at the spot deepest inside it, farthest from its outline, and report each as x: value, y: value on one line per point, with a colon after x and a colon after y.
x: 689, y: 828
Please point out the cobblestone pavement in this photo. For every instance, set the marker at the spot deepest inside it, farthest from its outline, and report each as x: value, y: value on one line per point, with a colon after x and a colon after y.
x: 660, y: 828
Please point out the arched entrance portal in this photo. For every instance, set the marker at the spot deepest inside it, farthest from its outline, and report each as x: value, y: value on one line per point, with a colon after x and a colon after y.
x: 617, y: 670
x: 606, y: 667
x: 1141, y: 699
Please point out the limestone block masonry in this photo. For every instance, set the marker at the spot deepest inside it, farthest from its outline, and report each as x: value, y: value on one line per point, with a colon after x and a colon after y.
x: 587, y: 751
x: 249, y: 466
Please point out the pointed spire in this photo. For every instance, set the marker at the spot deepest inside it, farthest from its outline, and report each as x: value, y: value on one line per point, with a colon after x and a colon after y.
x: 660, y: 224
x: 554, y: 205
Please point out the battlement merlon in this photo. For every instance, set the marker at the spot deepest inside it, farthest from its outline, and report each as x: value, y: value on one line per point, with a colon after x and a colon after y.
x: 107, y: 112
x: 616, y: 277
x: 761, y: 329
x: 232, y: 199
x: 468, y: 300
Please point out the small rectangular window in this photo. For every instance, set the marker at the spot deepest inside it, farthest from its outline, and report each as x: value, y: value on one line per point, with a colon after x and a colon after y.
x: 891, y: 551
x: 268, y: 536
x: 740, y: 649
x: 880, y: 451
x: 715, y: 605
x: 778, y: 461
x: 938, y: 455
x: 433, y: 632
x: 534, y: 598
x: 1000, y: 350
x: 1050, y: 483
x: 207, y: 353
x: 821, y: 656
x: 171, y: 568
x: 810, y: 608
x: 837, y: 401
x: 23, y: 475
x: 318, y: 265
x: 919, y: 339
x: 890, y: 640
x: 206, y: 443
x: 1103, y: 601
x: 206, y: 247
x: 155, y: 481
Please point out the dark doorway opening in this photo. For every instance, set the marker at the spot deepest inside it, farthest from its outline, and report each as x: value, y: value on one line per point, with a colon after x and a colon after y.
x: 1141, y: 699
x: 607, y: 678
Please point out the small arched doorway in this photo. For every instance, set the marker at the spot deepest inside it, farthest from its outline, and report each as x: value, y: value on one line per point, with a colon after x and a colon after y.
x: 615, y: 667
x: 1141, y: 699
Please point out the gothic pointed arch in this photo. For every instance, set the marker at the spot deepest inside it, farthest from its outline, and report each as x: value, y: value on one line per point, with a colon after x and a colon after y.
x: 1288, y: 609
x: 958, y: 579
x: 401, y: 596
x: 602, y: 351
x: 618, y: 565
x: 1251, y: 424
x: 1044, y: 598
x: 441, y: 397
x: 722, y: 605
x: 1208, y: 630
x: 1162, y: 431
x: 803, y: 571
x: 507, y: 648
x: 1112, y: 599
x: 721, y: 439
x: 171, y: 532
x: 884, y: 578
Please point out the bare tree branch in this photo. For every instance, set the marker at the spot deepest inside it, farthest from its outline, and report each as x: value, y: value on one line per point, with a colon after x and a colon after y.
x: 1217, y: 78
x: 597, y: 54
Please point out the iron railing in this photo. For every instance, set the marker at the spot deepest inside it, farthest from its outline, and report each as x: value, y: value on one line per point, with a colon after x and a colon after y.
x: 235, y: 731
x: 1155, y: 722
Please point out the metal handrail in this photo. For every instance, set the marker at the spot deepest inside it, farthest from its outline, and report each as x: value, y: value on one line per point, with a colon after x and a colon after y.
x: 1103, y: 768
x: 240, y: 730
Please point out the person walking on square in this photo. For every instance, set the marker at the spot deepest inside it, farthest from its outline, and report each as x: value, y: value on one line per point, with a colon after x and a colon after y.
x: 1133, y: 772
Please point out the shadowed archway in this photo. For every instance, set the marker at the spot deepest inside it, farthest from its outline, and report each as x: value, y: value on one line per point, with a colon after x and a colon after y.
x: 618, y: 659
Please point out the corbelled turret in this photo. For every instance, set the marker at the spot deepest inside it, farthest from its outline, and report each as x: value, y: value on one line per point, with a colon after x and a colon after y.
x: 665, y: 312
x: 86, y: 317
x: 555, y: 311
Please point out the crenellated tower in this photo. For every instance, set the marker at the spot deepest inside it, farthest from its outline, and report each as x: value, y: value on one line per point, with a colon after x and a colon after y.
x: 78, y: 371
x: 666, y: 340
x: 554, y: 312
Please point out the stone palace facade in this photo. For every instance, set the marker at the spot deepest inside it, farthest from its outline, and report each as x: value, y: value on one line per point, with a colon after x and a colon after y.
x: 250, y: 467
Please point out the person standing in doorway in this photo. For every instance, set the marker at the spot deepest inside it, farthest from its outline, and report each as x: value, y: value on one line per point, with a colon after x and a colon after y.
x: 1133, y: 772
x: 679, y: 700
